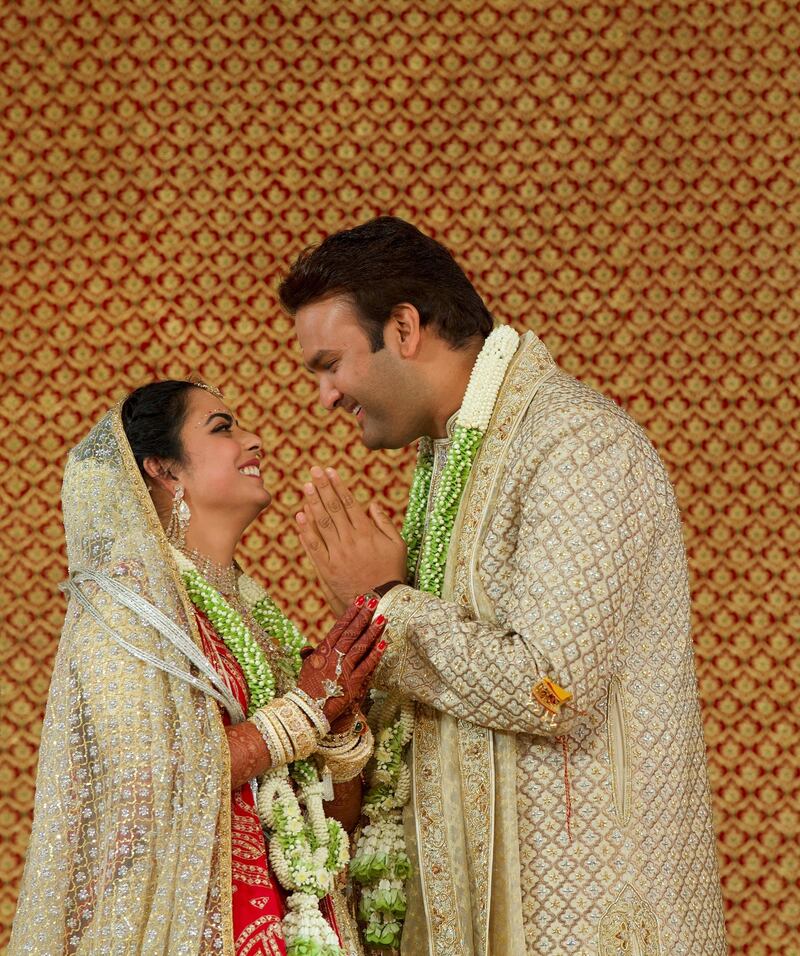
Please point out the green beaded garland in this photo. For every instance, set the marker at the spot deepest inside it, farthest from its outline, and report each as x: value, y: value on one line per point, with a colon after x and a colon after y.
x: 228, y: 623
x: 462, y: 454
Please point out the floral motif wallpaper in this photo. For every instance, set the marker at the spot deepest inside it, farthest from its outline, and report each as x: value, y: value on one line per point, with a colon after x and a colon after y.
x: 621, y: 177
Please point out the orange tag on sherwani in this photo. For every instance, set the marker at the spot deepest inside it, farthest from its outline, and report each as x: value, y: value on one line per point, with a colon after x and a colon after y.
x: 550, y: 695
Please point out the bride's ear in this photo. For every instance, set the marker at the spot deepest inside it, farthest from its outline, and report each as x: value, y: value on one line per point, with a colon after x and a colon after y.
x: 158, y: 474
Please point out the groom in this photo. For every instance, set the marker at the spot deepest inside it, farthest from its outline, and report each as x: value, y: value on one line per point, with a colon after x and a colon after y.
x: 560, y: 801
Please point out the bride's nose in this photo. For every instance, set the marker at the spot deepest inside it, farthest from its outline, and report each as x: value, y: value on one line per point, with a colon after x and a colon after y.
x: 252, y: 442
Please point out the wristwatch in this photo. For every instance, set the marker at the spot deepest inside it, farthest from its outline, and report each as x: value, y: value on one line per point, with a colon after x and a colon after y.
x: 383, y: 589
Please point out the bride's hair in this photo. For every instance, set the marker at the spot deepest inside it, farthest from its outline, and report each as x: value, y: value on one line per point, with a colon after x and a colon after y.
x: 152, y: 417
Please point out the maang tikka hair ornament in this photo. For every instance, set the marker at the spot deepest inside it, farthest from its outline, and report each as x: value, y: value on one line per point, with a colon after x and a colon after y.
x: 178, y: 519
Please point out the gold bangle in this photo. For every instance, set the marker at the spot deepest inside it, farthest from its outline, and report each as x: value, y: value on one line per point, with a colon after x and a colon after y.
x: 343, y: 749
x: 263, y: 724
x: 281, y: 733
x: 301, y: 731
x: 345, y: 764
x: 311, y: 709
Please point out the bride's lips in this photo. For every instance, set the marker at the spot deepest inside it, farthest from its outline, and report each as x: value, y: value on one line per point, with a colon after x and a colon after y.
x: 253, y: 468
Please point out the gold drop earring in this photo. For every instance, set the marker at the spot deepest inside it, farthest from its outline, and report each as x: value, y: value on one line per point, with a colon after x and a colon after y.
x: 178, y: 519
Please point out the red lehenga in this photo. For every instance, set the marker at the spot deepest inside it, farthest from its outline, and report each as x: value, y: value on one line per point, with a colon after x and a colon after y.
x: 258, y: 900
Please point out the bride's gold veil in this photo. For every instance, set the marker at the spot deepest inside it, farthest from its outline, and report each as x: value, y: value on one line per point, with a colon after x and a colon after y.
x: 130, y: 850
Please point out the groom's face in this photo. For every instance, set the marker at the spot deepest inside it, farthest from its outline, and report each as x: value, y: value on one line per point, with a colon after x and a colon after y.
x: 375, y: 387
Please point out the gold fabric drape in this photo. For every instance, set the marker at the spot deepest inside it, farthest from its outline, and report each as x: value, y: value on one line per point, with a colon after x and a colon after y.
x: 131, y: 848
x: 621, y: 178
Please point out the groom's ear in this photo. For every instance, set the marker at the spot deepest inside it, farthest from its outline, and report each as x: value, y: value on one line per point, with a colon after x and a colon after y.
x: 404, y: 327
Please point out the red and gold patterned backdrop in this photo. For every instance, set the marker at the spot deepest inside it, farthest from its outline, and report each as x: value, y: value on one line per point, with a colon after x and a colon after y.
x: 621, y: 177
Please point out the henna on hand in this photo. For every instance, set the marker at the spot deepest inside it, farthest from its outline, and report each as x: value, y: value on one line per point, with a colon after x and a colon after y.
x: 249, y: 755
x: 346, y: 658
x: 346, y: 803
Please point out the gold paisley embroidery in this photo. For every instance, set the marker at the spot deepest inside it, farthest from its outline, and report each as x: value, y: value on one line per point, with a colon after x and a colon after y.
x: 629, y: 927
x: 477, y: 780
x: 447, y: 937
x: 263, y: 937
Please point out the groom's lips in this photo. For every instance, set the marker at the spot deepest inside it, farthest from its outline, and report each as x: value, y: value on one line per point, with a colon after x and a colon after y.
x: 353, y: 408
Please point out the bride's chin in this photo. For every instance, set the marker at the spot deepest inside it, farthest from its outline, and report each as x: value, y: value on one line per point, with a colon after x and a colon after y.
x: 266, y: 500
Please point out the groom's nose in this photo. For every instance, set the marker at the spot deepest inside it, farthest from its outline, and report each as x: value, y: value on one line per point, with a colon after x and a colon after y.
x: 329, y: 396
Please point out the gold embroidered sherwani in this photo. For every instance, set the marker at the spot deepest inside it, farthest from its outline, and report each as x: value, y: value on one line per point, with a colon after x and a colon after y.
x: 567, y: 563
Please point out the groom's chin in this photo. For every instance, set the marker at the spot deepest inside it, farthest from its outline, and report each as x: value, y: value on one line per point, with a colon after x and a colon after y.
x: 373, y: 440
x: 376, y: 443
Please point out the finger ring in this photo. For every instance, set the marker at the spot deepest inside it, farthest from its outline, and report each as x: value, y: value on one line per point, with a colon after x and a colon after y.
x: 331, y: 689
x: 341, y: 655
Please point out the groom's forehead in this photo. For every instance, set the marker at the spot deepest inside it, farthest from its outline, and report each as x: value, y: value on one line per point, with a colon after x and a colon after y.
x: 327, y: 325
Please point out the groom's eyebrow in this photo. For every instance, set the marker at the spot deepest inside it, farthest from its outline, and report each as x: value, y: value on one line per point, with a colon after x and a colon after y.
x: 321, y: 358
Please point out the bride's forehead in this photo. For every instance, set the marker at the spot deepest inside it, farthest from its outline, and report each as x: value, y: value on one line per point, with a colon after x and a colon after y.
x: 202, y: 404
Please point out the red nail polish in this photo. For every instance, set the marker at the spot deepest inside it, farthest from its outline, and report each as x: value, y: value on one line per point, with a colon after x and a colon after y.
x: 372, y: 604
x: 379, y: 621
x: 381, y: 645
x: 360, y: 600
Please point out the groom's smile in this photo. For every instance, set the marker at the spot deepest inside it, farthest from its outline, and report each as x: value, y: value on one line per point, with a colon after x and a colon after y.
x: 378, y: 387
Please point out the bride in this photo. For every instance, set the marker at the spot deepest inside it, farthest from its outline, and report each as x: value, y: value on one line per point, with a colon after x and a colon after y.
x: 177, y: 684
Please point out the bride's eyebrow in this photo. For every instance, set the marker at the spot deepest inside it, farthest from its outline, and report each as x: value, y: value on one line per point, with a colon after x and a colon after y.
x: 224, y: 415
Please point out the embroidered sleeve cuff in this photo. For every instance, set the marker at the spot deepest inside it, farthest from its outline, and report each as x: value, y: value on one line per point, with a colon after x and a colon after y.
x: 397, y: 606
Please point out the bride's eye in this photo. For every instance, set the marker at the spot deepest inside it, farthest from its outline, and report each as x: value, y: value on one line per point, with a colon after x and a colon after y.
x: 223, y: 427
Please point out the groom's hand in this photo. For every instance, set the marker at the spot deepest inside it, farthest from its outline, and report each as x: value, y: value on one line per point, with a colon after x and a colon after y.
x: 353, y: 550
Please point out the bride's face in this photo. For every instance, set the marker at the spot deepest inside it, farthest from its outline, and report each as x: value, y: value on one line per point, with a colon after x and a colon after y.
x: 221, y: 468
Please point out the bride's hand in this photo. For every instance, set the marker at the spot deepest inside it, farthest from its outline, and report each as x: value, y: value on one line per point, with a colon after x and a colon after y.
x: 345, y: 661
x: 352, y: 550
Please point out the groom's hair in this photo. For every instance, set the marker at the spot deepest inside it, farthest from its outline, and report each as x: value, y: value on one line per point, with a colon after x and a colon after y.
x: 377, y: 266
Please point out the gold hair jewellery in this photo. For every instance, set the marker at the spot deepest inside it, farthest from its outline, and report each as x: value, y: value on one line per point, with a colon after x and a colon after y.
x: 209, y: 388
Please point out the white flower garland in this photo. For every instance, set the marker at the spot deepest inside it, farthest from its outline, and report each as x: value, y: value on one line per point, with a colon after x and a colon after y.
x: 486, y: 378
x: 306, y: 850
x: 380, y: 862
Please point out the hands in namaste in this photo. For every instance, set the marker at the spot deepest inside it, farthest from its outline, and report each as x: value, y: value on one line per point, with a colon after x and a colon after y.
x: 353, y: 550
x: 340, y: 668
